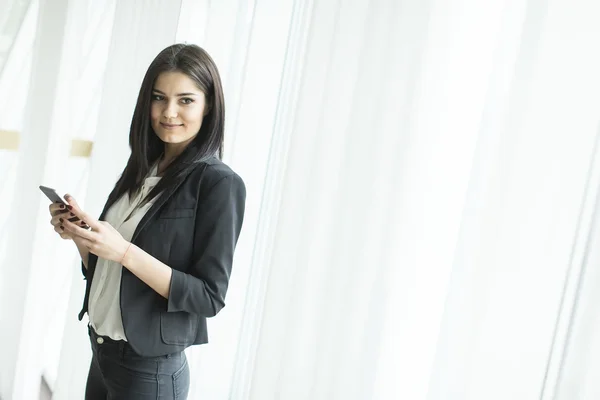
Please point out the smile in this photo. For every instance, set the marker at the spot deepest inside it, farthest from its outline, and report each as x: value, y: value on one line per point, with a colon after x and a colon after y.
x: 170, y: 126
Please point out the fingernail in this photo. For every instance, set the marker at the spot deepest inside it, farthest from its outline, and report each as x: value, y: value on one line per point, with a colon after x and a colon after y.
x: 61, y: 220
x: 70, y: 207
x: 72, y: 215
x: 62, y: 206
x: 83, y: 223
x: 62, y: 227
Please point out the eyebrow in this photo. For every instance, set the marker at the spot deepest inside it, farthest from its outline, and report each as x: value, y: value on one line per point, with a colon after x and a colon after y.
x: 179, y: 94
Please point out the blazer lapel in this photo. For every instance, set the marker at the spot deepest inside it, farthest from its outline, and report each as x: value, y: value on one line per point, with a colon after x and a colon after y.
x: 158, y: 204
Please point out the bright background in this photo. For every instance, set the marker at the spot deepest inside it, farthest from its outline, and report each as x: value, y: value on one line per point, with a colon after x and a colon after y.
x: 422, y: 183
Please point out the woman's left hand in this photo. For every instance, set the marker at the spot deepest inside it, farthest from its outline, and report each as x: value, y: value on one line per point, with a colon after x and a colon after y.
x: 102, y: 239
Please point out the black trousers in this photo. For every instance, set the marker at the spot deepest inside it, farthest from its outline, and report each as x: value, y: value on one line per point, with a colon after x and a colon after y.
x: 118, y: 373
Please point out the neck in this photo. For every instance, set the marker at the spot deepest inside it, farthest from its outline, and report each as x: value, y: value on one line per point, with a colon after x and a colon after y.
x: 170, y: 153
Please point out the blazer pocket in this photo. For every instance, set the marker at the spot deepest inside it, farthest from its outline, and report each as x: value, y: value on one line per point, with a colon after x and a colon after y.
x: 178, y: 328
x: 177, y: 213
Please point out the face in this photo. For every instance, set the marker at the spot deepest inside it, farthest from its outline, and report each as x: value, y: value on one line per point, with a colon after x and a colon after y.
x: 177, y: 109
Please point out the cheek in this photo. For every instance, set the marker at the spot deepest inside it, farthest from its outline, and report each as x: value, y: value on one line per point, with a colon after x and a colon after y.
x: 154, y: 117
x: 154, y: 112
x: 193, y: 119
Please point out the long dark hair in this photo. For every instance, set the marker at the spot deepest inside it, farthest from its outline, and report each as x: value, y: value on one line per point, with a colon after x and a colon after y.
x: 146, y: 146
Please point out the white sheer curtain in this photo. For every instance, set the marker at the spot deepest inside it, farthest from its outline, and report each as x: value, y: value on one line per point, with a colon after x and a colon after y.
x: 42, y: 156
x: 524, y: 210
x: 573, y: 366
x: 433, y: 184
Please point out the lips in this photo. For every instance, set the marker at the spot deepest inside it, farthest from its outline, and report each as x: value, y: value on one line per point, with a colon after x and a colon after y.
x: 170, y: 126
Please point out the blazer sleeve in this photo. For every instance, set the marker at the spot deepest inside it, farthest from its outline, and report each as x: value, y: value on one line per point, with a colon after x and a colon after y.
x: 219, y: 216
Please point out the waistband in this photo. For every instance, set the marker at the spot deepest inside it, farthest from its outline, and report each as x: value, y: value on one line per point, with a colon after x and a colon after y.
x: 106, y: 341
x: 122, y: 348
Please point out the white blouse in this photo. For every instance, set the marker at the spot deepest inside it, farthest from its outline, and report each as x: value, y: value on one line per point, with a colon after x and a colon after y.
x: 105, y: 303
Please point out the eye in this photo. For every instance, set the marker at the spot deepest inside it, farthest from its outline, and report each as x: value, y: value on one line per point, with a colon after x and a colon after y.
x: 187, y: 100
x: 157, y: 97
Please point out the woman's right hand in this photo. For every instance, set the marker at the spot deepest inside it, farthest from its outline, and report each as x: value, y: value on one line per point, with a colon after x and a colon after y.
x: 58, y: 211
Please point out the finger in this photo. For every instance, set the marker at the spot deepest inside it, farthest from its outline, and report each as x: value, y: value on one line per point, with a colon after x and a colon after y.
x: 54, y: 207
x: 57, y: 220
x: 58, y: 209
x: 66, y: 236
x: 59, y: 212
x: 81, y: 224
x: 62, y: 233
x: 75, y: 209
x: 74, y: 229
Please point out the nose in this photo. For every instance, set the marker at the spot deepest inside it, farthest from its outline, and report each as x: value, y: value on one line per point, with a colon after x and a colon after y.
x: 170, y: 111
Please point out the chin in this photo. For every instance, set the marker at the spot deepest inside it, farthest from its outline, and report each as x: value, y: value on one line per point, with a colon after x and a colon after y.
x: 168, y: 137
x: 171, y: 139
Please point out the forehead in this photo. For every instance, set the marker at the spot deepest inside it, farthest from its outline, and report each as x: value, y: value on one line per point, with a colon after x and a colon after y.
x: 175, y: 81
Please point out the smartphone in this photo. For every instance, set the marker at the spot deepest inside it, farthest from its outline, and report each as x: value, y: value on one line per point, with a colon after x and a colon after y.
x: 52, y: 195
x: 55, y: 198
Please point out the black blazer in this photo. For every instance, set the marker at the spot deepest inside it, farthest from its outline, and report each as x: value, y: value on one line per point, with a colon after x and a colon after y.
x: 193, y: 228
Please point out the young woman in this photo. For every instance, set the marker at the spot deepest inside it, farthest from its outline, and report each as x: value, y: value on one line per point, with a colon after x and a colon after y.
x: 158, y: 259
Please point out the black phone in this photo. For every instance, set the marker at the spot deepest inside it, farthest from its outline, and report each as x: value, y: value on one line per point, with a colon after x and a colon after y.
x: 55, y: 198
x: 52, y: 195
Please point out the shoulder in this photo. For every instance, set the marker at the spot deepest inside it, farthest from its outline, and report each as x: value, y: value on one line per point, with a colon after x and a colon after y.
x: 213, y: 173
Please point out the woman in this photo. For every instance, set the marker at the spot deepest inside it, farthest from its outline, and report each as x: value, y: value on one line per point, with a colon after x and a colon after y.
x: 158, y: 260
